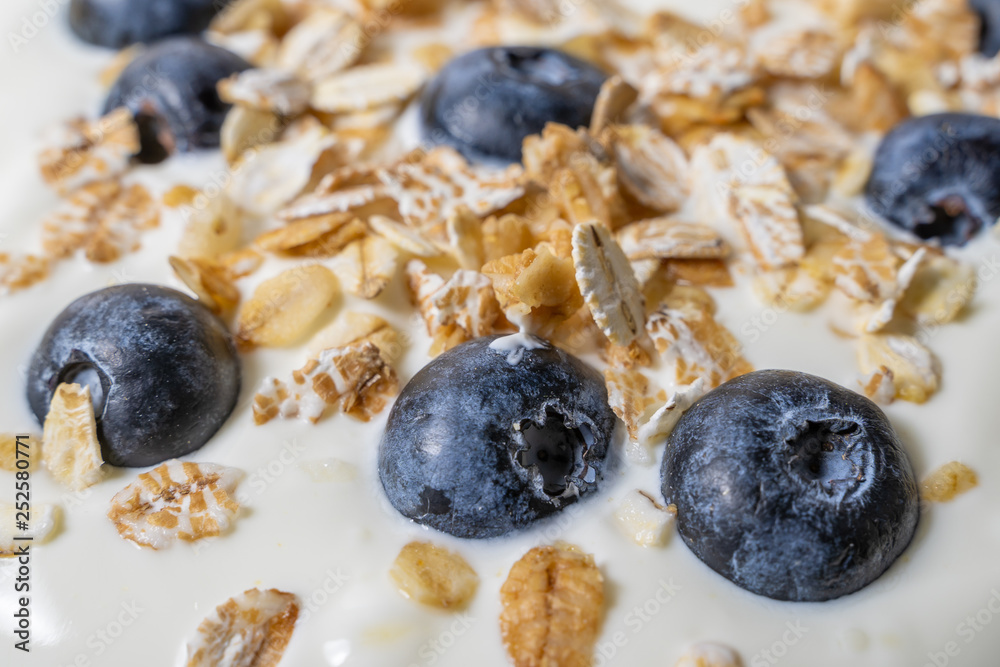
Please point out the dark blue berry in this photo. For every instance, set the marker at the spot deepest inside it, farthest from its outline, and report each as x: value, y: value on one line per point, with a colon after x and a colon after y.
x: 170, y: 90
x: 484, y: 103
x: 989, y: 25
x: 790, y: 486
x: 118, y: 23
x: 487, y: 440
x: 936, y: 175
x: 162, y: 370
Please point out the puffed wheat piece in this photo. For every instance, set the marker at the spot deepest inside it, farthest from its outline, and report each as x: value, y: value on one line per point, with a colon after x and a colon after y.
x: 553, y: 605
x: 249, y: 630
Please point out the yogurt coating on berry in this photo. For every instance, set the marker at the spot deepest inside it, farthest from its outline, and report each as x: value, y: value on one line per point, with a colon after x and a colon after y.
x: 790, y: 486
x: 477, y: 446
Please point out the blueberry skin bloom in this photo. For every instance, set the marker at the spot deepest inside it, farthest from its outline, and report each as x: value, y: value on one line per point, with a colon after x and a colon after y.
x: 170, y: 90
x: 790, y: 486
x: 162, y: 370
x: 485, y: 102
x: 937, y: 175
x: 989, y: 26
x: 118, y: 23
x: 484, y: 441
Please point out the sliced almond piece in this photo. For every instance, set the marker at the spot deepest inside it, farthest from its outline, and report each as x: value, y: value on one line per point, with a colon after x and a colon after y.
x: 434, y: 576
x: 608, y: 286
x: 283, y: 308
x: 177, y: 500
x: 70, y: 450
x: 249, y: 630
x: 553, y: 606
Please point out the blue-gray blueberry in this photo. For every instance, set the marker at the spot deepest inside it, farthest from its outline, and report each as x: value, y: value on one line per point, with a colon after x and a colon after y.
x: 170, y: 90
x: 486, y: 440
x: 936, y: 176
x: 118, y: 23
x: 162, y: 369
x: 485, y: 102
x: 790, y: 486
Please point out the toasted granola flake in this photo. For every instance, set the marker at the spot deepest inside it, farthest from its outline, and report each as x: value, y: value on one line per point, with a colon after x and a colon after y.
x: 950, y: 480
x: 70, y: 449
x: 613, y: 100
x: 456, y: 310
x: 283, y: 308
x: 879, y: 386
x: 666, y: 238
x: 940, y: 289
x: 627, y: 390
x: 651, y: 167
x: 249, y: 630
x: 535, y: 287
x: 355, y: 378
x: 690, y: 340
x: 42, y: 521
x: 607, y: 283
x: 428, y: 193
x: 90, y: 151
x: 643, y: 520
x: 28, y: 444
x: 103, y: 218
x: 21, y: 271
x: 325, y: 42
x: 366, y: 266
x: 403, y: 237
x: 209, y: 281
x: 177, y: 500
x: 367, y: 86
x: 354, y: 327
x: 915, y: 373
x: 267, y: 90
x: 803, y: 54
x: 553, y: 606
x: 434, y: 576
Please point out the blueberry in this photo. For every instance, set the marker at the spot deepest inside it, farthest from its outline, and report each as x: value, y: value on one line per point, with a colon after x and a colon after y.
x: 170, y: 89
x: 118, y: 23
x: 162, y: 370
x: 484, y: 103
x: 790, y: 486
x: 492, y: 436
x: 936, y: 176
x: 989, y: 25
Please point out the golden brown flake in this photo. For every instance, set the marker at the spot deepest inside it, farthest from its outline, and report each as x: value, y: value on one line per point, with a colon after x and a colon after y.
x: 30, y: 449
x: 455, y: 310
x: 691, y: 341
x: 246, y: 128
x: 651, y: 167
x: 404, y: 237
x: 367, y: 86
x: 177, y: 500
x: 948, y: 481
x: 535, y: 286
x: 249, y: 630
x: 325, y: 42
x: 366, y: 266
x: 70, y: 450
x: 355, y: 378
x: 915, y: 372
x: 283, y: 308
x: 90, y: 151
x: 209, y: 281
x: 553, y: 606
x: 666, y: 238
x: 627, y: 389
x: 21, y: 271
x: 273, y: 90
x: 800, y: 54
x: 305, y: 231
x: 353, y: 327
x: 103, y: 218
x: 607, y: 283
x: 613, y: 100
x: 434, y: 576
x: 214, y: 226
x: 940, y: 290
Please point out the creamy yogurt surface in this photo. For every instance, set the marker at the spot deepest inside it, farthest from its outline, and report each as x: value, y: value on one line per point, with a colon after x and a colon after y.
x: 315, y: 521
